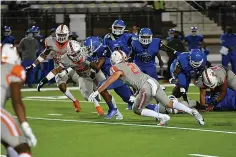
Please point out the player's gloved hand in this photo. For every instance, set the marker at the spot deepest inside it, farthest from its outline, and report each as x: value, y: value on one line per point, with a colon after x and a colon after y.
x: 42, y: 83
x: 29, y: 68
x: 173, y: 81
x: 184, y: 94
x: 93, y: 96
x: 62, y: 74
x: 31, y: 139
x: 132, y: 98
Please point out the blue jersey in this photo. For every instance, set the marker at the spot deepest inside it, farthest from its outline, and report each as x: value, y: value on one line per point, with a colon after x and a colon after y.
x: 121, y: 42
x: 229, y: 41
x: 193, y: 41
x: 8, y: 40
x: 134, y: 36
x: 145, y: 56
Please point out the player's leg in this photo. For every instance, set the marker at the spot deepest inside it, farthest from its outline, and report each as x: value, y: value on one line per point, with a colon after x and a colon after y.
x: 231, y: 80
x: 142, y: 99
x: 86, y: 88
x: 61, y: 83
x: 12, y: 137
x: 125, y: 93
x: 225, y: 60
x: 165, y: 101
x: 233, y: 63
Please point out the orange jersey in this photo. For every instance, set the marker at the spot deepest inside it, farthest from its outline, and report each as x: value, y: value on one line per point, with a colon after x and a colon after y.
x: 10, y: 73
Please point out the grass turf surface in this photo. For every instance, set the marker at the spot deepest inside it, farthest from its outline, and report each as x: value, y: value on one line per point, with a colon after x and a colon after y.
x: 83, y: 134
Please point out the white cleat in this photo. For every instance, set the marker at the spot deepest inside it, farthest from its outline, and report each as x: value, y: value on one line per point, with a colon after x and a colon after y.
x: 163, y: 120
x: 119, y: 116
x: 198, y: 116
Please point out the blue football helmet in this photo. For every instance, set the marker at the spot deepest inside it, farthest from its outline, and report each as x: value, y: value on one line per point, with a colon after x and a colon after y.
x: 145, y: 36
x: 194, y: 30
x: 118, y: 27
x: 92, y: 43
x: 196, y: 58
x: 7, y: 30
x: 36, y: 31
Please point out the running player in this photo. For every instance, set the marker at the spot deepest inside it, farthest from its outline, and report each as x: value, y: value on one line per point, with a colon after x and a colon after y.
x: 55, y: 48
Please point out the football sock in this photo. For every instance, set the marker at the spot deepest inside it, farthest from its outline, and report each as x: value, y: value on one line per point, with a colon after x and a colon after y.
x: 110, y: 105
x: 113, y: 102
x: 150, y: 113
x: 95, y: 102
x: 25, y: 155
x: 69, y: 95
x: 179, y: 106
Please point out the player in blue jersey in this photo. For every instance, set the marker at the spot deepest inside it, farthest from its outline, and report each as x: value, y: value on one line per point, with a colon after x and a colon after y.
x: 194, y: 40
x: 7, y: 38
x: 187, y: 65
x: 144, y: 51
x: 103, y: 54
x: 118, y: 39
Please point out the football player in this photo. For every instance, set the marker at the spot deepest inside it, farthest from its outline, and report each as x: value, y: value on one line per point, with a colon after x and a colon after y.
x: 8, y: 38
x: 17, y: 138
x: 187, y: 65
x: 147, y: 87
x: 217, y: 78
x: 55, y: 48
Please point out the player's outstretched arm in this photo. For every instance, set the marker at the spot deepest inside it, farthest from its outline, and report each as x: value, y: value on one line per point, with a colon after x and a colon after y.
x: 115, y: 76
x: 40, y: 58
x: 50, y: 76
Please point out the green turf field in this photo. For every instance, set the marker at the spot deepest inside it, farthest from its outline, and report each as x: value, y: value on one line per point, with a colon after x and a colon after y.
x: 61, y: 132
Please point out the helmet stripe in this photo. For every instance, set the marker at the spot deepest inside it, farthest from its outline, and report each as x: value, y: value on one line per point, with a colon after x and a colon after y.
x: 62, y: 26
x: 208, y: 79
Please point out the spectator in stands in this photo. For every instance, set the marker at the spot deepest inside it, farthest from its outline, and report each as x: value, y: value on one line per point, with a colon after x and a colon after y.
x: 228, y: 40
x: 176, y: 44
x: 134, y: 32
x: 194, y: 40
x: 7, y: 37
x: 29, y: 47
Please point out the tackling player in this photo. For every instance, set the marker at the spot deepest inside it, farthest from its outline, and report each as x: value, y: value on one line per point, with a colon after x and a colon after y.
x: 217, y: 79
x: 55, y: 48
x: 16, y: 138
x: 147, y: 87
x: 187, y: 65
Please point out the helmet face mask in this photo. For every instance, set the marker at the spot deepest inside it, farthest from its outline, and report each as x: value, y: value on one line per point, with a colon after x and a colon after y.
x: 196, y: 58
x: 92, y: 44
x: 62, y: 33
x: 118, y: 27
x: 145, y: 36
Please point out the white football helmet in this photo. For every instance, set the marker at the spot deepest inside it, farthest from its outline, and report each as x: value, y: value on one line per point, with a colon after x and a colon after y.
x: 209, y: 78
x: 117, y: 57
x: 62, y: 33
x: 10, y: 54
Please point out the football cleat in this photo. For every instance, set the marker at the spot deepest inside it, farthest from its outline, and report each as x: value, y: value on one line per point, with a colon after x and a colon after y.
x: 163, y: 120
x: 111, y: 114
x: 119, y: 116
x: 197, y: 116
x: 76, y: 106
x: 99, y: 110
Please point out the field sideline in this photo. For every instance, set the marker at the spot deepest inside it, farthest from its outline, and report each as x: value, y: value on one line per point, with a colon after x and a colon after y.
x: 62, y: 132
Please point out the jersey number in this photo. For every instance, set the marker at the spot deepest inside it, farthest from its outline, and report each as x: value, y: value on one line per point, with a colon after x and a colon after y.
x: 133, y: 68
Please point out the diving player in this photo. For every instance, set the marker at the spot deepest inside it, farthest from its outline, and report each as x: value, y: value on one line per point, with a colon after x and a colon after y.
x: 147, y: 87
x: 16, y: 138
x: 55, y: 48
x: 187, y: 65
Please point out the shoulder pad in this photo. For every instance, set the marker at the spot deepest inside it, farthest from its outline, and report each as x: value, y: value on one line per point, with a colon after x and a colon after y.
x: 74, y: 45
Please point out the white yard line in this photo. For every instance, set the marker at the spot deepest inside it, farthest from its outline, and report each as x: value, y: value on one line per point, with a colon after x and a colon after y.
x: 202, y: 155
x: 54, y: 114
x: 130, y: 124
